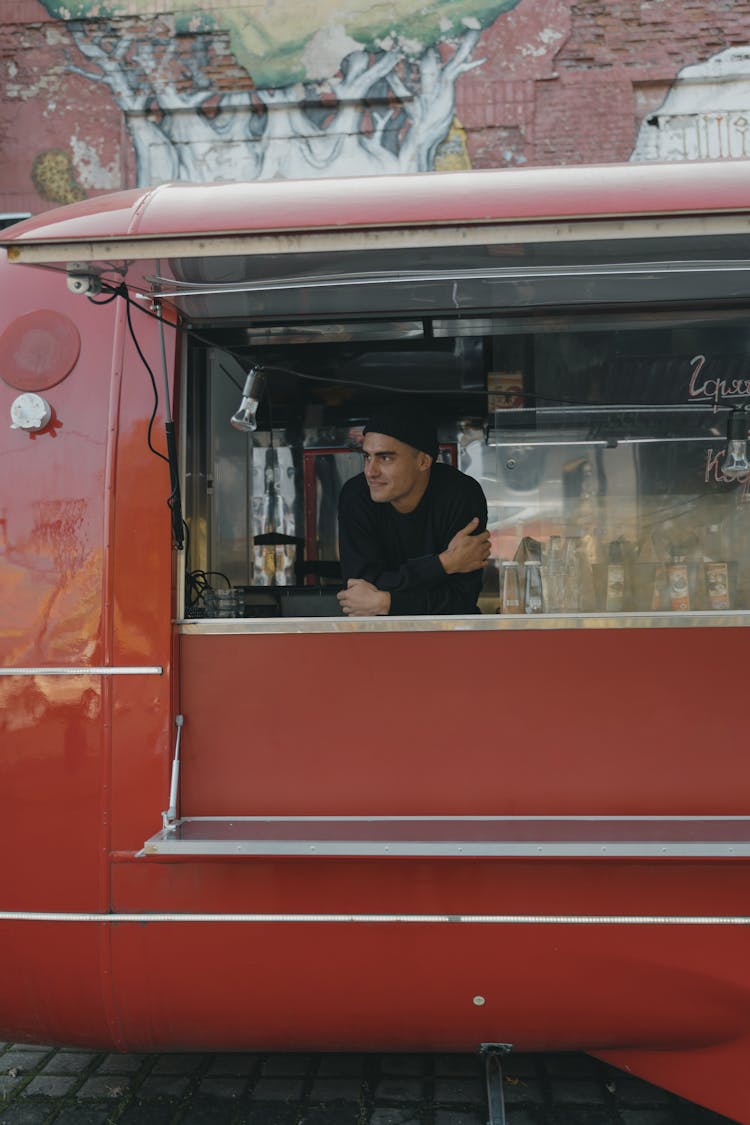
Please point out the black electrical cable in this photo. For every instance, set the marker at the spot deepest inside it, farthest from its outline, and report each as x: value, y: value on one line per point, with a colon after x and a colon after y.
x: 173, y: 500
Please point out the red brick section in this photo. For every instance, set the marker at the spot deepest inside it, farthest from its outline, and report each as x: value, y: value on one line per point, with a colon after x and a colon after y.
x: 609, y: 66
x: 561, y: 83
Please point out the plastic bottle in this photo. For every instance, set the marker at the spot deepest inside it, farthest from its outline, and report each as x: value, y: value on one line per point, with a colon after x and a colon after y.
x: 679, y: 587
x: 510, y: 593
x: 533, y: 601
x: 715, y: 568
x: 554, y: 584
x: 740, y: 541
x: 578, y: 578
x: 615, y: 597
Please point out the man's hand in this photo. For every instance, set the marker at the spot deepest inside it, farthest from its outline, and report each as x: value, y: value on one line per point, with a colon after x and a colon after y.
x: 466, y: 552
x: 362, y: 599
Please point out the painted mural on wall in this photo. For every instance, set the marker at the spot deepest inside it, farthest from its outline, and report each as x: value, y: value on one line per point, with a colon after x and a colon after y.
x: 335, y: 87
x: 705, y: 115
x: 97, y: 95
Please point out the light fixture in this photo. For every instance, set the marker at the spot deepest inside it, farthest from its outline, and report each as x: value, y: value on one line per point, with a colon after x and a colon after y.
x: 735, y: 462
x: 30, y: 412
x: 245, y: 418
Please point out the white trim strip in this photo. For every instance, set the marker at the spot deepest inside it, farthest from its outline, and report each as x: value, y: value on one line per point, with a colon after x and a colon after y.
x: 83, y: 670
x: 380, y: 919
x: 469, y: 233
x: 164, y: 844
x: 474, y: 623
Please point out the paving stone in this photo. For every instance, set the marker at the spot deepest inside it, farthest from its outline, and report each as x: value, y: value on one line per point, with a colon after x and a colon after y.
x: 568, y: 1064
x: 68, y: 1062
x: 85, y: 1115
x: 49, y: 1086
x: 458, y: 1065
x: 580, y: 1115
x: 178, y: 1064
x: 277, y: 1089
x: 276, y: 1066
x: 639, y: 1116
x: 145, y: 1113
x: 521, y: 1115
x: 521, y: 1065
x: 403, y: 1064
x: 22, y: 1061
x: 163, y: 1086
x: 522, y: 1090
x: 76, y: 1086
x: 32, y: 1047
x: 224, y: 1087
x: 459, y: 1117
x: 8, y: 1084
x: 233, y: 1065
x: 104, y: 1086
x: 633, y: 1091
x: 336, y: 1090
x: 341, y: 1066
x: 26, y: 1113
x: 394, y: 1116
x: 121, y: 1064
x: 577, y: 1092
x: 459, y: 1090
x: 396, y: 1089
x: 275, y: 1115
x: 204, y: 1110
x: 332, y: 1115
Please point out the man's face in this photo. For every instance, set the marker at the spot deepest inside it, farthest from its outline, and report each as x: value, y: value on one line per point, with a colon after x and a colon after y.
x: 395, y: 472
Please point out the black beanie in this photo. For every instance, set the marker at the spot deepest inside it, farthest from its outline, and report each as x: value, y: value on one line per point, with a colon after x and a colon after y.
x: 407, y: 426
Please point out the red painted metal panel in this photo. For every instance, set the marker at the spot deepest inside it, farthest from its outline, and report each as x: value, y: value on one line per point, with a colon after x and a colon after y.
x: 566, y: 721
x: 55, y: 983
x: 375, y: 986
x: 86, y: 581
x: 527, y: 194
x: 142, y: 737
x: 505, y: 723
x: 424, y: 886
x: 55, y: 511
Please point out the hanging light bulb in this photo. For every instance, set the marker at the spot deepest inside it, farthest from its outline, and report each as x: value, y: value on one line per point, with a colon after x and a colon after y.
x: 245, y: 418
x: 735, y: 462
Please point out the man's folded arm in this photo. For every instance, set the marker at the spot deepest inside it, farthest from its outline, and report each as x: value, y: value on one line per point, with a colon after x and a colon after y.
x: 457, y: 594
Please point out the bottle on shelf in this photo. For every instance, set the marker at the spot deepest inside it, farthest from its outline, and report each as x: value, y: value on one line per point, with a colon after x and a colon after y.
x: 578, y: 589
x: 615, y: 592
x: 533, y: 601
x: 654, y: 550
x: 679, y: 586
x: 716, y: 568
x: 510, y: 593
x: 739, y: 528
x: 554, y: 577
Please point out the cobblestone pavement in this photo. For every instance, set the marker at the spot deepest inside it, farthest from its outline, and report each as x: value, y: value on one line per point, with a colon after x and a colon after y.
x: 44, y: 1085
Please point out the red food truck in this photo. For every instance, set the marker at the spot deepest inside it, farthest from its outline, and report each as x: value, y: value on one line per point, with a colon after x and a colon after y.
x: 234, y: 818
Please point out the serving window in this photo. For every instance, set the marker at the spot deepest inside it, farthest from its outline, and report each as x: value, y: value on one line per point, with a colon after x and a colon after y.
x: 596, y: 428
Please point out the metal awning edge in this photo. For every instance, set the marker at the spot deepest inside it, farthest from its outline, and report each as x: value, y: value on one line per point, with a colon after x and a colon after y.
x: 147, y: 247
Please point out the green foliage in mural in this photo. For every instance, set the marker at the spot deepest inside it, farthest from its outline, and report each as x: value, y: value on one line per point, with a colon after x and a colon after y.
x: 286, y: 41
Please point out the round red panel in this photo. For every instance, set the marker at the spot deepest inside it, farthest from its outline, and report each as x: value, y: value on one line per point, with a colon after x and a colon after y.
x: 38, y: 350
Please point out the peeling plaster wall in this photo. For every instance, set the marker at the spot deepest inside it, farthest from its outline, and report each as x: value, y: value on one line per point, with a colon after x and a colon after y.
x: 541, y: 82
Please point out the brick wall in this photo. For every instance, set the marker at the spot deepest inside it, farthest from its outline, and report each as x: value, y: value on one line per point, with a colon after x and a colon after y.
x: 560, y: 83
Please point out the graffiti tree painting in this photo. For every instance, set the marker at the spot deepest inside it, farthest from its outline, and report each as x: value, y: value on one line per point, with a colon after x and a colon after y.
x: 339, y: 87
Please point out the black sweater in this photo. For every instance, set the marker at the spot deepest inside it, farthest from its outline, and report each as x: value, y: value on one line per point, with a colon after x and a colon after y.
x: 399, y: 553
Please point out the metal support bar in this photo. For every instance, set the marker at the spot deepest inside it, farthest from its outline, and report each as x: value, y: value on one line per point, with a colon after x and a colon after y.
x: 493, y: 1071
x: 169, y: 816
